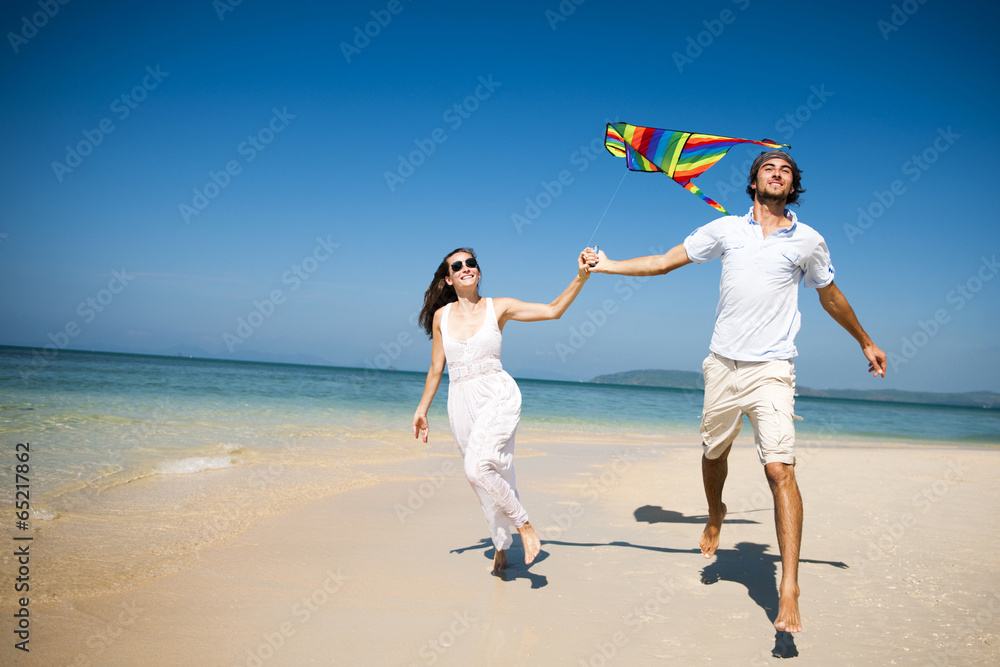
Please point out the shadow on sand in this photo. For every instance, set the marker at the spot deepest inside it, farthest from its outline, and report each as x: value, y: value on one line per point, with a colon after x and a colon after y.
x: 750, y: 565
x: 656, y: 514
x: 516, y: 569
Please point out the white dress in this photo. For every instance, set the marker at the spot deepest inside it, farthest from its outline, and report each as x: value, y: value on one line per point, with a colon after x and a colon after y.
x: 484, y: 406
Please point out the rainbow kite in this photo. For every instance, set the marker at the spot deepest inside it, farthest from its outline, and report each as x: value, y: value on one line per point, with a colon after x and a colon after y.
x: 682, y: 156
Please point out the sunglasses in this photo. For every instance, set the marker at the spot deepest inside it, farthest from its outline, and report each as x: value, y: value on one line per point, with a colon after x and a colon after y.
x: 457, y: 266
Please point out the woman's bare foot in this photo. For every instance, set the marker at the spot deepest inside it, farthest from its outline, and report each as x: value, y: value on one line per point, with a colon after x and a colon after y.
x: 499, y: 562
x: 532, y: 545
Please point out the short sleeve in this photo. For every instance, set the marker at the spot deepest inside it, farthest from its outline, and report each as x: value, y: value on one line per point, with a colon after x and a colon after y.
x: 705, y: 243
x: 817, y: 267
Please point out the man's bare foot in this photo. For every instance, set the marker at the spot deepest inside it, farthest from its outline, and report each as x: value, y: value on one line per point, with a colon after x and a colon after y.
x: 788, y: 610
x: 710, y: 536
x: 499, y: 562
x: 529, y: 539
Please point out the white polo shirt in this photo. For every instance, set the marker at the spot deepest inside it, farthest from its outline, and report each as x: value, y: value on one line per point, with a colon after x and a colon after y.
x: 758, y: 313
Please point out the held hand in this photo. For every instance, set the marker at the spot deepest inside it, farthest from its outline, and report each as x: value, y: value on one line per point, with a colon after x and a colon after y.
x: 596, y: 263
x: 583, y: 262
x: 420, y: 426
x: 876, y: 359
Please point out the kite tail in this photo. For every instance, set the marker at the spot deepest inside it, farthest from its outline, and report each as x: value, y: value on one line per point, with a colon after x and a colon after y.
x: 691, y: 187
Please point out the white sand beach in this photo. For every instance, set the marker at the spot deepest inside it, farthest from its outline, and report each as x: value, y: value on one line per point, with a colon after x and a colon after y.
x: 900, y: 565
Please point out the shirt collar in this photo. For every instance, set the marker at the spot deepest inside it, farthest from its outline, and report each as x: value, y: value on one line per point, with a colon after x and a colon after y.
x: 790, y: 214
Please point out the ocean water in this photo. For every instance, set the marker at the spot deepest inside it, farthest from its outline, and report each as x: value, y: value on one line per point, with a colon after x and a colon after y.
x: 139, y: 462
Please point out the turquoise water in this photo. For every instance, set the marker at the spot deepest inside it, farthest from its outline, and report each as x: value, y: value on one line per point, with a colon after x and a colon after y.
x: 138, y: 462
x: 132, y: 415
x: 678, y: 411
x: 151, y: 410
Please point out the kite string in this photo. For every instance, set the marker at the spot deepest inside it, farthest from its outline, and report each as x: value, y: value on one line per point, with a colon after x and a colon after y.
x: 607, y: 207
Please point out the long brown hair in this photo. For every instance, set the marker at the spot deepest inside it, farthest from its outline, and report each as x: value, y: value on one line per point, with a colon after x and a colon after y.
x: 439, y: 294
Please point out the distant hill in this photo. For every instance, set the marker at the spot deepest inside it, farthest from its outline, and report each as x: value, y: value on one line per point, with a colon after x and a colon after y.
x: 654, y: 378
x: 693, y: 380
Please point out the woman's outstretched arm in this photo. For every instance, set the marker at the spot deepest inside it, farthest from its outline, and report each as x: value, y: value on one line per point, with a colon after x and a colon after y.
x: 420, y: 425
x: 522, y: 311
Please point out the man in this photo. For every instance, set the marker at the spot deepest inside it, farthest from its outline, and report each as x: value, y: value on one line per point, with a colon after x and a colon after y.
x: 765, y: 254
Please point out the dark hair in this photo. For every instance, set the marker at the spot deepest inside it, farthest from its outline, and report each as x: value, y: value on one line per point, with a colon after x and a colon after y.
x: 439, y: 294
x: 797, y: 188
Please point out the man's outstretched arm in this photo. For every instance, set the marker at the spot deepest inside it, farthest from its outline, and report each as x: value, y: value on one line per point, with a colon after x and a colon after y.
x: 835, y: 303
x: 652, y: 265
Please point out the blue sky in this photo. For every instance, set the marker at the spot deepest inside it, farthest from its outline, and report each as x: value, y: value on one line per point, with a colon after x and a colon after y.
x: 176, y: 168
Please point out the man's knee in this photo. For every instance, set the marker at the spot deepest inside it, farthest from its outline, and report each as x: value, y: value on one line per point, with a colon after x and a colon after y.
x: 780, y: 474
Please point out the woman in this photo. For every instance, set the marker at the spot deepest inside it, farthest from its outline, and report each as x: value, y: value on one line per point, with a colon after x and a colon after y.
x: 484, y: 403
